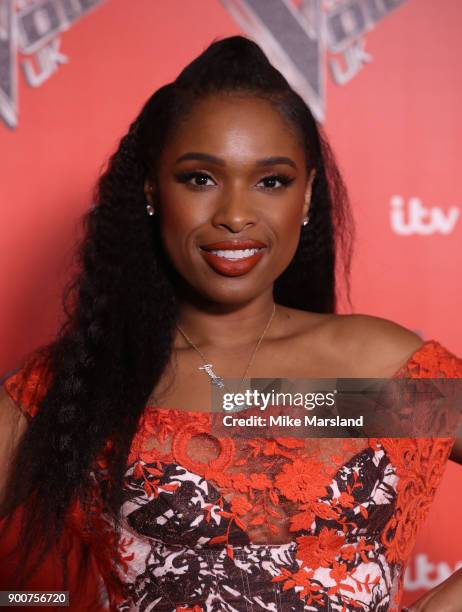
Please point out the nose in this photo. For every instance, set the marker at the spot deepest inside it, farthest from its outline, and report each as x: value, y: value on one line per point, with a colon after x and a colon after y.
x: 235, y: 211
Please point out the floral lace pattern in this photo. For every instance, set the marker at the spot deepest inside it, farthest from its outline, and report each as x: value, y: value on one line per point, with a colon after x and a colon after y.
x: 280, y: 524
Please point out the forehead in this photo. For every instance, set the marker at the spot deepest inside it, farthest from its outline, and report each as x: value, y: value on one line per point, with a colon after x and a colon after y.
x: 238, y: 127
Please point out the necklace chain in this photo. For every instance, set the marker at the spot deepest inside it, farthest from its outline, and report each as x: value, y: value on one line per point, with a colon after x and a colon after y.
x: 208, y: 367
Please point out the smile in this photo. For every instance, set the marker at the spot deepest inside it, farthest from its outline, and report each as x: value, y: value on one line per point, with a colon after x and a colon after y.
x: 236, y: 254
x: 232, y: 262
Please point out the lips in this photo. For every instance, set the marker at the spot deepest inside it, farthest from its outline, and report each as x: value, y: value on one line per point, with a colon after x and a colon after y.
x: 238, y: 261
x: 232, y: 245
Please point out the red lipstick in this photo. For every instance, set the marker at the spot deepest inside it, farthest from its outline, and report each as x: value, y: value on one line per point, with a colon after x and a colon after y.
x: 235, y: 266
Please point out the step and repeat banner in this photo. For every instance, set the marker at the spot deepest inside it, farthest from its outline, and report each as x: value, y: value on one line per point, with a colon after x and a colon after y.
x: 382, y: 76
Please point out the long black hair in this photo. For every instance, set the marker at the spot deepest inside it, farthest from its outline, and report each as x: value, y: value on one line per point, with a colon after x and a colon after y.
x: 121, y: 306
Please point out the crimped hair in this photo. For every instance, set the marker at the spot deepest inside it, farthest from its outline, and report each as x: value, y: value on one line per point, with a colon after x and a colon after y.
x: 121, y: 307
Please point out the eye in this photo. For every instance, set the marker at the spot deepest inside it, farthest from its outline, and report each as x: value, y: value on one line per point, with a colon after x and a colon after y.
x: 195, y: 179
x: 272, y: 180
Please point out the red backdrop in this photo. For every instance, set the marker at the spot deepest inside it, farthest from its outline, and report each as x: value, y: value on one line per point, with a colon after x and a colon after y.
x: 382, y: 75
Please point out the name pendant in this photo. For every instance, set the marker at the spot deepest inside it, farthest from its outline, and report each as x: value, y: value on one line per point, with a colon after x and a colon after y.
x: 215, y: 380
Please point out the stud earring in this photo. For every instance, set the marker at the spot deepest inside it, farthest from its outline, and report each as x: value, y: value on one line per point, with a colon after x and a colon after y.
x: 306, y: 220
x: 149, y: 208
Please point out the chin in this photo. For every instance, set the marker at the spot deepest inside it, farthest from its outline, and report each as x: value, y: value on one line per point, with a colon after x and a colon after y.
x: 229, y: 296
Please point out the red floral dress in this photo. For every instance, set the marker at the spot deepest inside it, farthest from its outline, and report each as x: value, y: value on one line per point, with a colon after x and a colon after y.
x: 279, y: 524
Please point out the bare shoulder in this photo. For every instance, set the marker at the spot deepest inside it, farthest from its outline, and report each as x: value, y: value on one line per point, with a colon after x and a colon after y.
x: 355, y: 345
x: 10, y: 414
x: 13, y: 423
x: 377, y: 347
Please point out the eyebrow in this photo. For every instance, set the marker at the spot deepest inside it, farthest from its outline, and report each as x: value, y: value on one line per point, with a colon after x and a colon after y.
x: 266, y: 161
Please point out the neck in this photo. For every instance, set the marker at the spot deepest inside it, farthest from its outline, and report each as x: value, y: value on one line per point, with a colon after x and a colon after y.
x: 225, y: 325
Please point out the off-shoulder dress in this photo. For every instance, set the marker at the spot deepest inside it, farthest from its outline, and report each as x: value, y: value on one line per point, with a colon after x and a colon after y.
x: 262, y: 524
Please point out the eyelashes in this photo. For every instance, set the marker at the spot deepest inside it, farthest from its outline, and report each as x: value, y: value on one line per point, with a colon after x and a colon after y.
x: 284, y: 179
x: 186, y: 177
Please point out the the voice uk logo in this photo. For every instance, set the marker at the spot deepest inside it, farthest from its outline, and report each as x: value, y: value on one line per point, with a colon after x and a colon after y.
x: 301, y: 38
x: 31, y: 29
x: 298, y: 37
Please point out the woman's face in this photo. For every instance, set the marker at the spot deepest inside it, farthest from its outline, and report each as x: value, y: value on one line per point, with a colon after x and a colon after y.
x: 231, y: 193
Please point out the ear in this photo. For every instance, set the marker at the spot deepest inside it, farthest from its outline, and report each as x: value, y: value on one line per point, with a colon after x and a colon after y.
x: 149, y: 191
x: 309, y: 185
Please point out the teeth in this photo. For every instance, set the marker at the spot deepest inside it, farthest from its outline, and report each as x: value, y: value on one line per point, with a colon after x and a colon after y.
x: 240, y: 254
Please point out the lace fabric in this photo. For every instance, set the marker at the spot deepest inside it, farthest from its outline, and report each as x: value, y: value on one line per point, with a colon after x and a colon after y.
x: 266, y: 524
x: 269, y: 487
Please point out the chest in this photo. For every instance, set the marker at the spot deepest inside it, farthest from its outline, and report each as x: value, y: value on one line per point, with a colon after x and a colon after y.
x: 187, y: 385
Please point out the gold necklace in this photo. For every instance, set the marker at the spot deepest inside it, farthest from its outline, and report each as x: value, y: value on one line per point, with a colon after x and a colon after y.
x: 208, y: 367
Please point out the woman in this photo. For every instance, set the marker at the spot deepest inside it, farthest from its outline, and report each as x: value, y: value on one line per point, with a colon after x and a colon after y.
x: 211, y: 252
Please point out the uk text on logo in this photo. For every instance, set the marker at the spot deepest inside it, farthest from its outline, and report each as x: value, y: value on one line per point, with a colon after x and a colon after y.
x: 32, y: 28
x: 297, y: 40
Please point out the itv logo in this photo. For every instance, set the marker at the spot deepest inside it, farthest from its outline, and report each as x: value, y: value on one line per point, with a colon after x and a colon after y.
x: 414, y: 218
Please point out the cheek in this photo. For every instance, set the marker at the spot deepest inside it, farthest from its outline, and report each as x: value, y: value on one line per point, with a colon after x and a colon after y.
x: 289, y: 237
x: 173, y: 232
x: 287, y: 228
x: 181, y: 210
x: 178, y: 221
